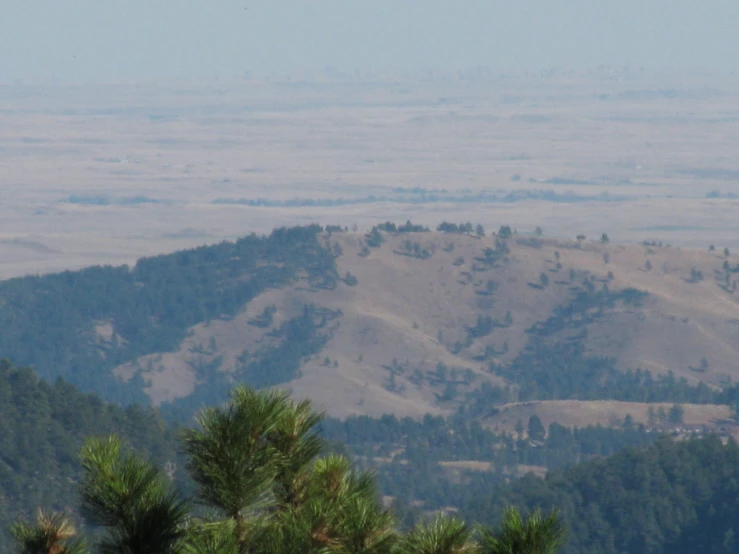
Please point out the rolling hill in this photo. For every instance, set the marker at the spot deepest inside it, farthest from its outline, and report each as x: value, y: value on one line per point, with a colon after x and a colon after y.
x: 396, y: 320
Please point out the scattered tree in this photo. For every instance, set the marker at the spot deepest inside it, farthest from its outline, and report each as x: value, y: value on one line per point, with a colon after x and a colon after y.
x: 508, y: 319
x: 536, y: 428
x: 696, y: 275
x: 676, y: 414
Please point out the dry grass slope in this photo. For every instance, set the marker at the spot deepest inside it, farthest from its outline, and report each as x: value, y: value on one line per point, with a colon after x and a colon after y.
x: 406, y: 315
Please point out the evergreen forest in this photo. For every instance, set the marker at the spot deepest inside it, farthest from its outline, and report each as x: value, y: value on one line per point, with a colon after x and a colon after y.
x: 619, y: 490
x: 87, y: 464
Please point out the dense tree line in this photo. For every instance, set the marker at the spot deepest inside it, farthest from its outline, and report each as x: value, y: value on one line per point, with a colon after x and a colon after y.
x: 408, y: 227
x: 550, y: 370
x: 667, y: 497
x: 555, y: 363
x: 42, y: 427
x: 49, y: 322
x: 670, y: 498
x: 260, y: 485
x: 408, y: 454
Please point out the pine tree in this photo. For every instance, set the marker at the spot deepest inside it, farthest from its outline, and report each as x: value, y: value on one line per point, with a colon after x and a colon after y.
x: 51, y: 534
x: 263, y: 488
x: 535, y: 534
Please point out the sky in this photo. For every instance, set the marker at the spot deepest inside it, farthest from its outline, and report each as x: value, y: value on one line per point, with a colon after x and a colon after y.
x: 131, y: 40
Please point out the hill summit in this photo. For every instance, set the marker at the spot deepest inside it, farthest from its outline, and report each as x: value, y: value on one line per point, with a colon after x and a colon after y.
x: 397, y: 320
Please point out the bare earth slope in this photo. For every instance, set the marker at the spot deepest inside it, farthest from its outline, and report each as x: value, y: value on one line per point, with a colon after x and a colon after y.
x: 419, y: 299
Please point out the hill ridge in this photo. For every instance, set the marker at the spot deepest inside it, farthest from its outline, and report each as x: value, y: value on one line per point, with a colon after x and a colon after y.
x: 398, y: 321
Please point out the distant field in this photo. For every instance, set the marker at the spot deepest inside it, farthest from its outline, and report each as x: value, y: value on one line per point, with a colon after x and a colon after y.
x: 109, y: 173
x: 574, y: 413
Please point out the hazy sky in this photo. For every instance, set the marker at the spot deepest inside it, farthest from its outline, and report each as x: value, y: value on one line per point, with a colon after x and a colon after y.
x: 104, y: 40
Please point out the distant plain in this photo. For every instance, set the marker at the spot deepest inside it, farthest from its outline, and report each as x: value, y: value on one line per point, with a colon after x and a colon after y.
x: 107, y: 174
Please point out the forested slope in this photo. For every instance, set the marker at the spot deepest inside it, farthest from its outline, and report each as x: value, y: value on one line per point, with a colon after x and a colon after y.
x: 42, y: 427
x: 400, y: 320
x: 670, y: 498
x: 82, y: 324
x: 438, y: 463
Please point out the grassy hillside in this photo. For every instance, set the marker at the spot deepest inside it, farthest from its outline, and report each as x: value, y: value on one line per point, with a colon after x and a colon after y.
x: 83, y: 324
x: 421, y: 325
x: 393, y: 321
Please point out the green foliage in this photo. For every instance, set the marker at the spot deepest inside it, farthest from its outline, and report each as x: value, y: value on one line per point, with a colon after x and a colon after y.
x: 440, y: 535
x: 508, y: 319
x: 128, y: 496
x: 255, y: 462
x: 42, y: 428
x: 536, y: 428
x: 300, y: 337
x: 413, y: 250
x: 696, y: 275
x: 462, y: 228
x: 492, y: 257
x: 229, y: 462
x: 263, y: 486
x: 535, y: 534
x: 409, y: 227
x: 676, y: 414
x: 374, y: 238
x: 51, y: 534
x: 671, y: 498
x: 418, y: 450
x: 484, y: 326
x: 264, y: 319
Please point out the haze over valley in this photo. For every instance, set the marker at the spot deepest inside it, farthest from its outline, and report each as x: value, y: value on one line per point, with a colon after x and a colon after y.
x: 106, y: 174
x: 376, y: 278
